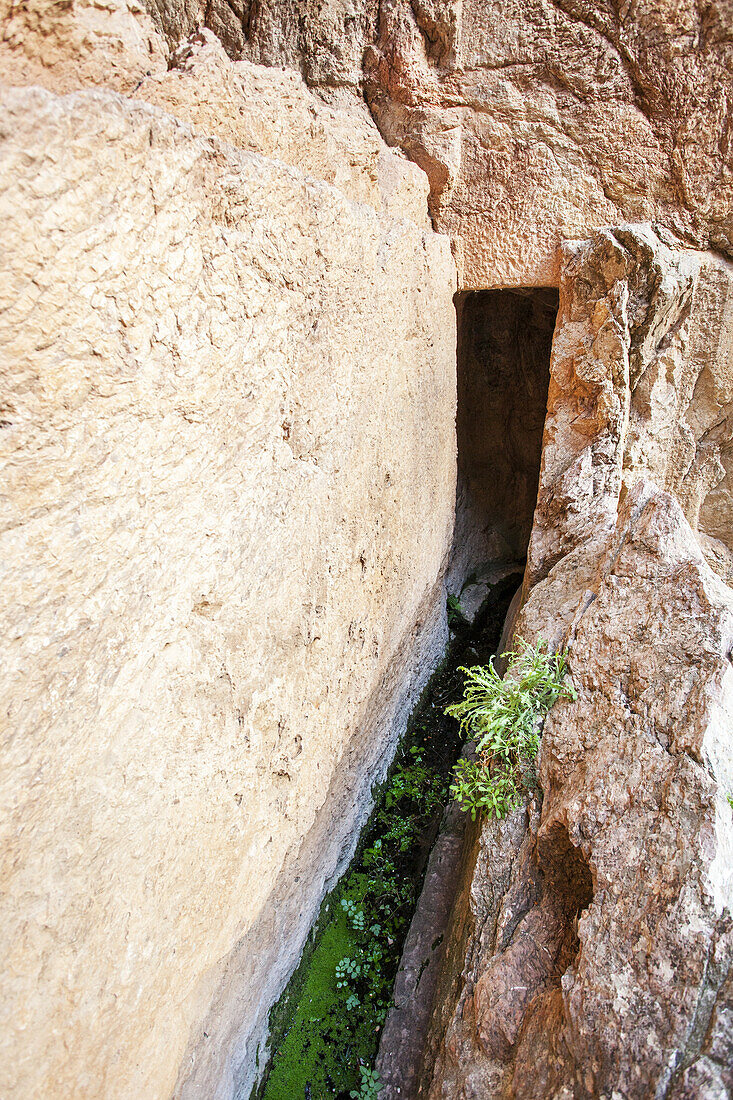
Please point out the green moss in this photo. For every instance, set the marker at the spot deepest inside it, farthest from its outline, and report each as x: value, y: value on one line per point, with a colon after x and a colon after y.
x: 310, y: 1053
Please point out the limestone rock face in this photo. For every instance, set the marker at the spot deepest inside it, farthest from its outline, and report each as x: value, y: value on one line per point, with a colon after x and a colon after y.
x: 601, y: 936
x: 227, y: 429
x: 641, y: 384
x: 67, y: 44
x: 540, y: 121
x: 323, y: 40
x: 228, y: 400
x: 271, y: 111
x: 535, y: 121
x: 594, y: 943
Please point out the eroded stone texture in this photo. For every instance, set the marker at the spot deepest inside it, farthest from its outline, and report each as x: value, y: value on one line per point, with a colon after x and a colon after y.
x: 536, y: 122
x: 228, y: 402
x: 271, y: 111
x: 597, y: 932
x: 597, y: 966
x: 65, y: 44
x: 323, y: 41
x: 227, y: 412
x: 640, y: 385
x: 541, y: 121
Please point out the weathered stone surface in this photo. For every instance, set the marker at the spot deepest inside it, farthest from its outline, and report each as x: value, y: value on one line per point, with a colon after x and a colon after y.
x: 229, y: 464
x: 271, y: 111
x: 640, y: 385
x: 544, y: 120
x: 536, y: 122
x: 636, y: 771
x: 66, y: 44
x: 324, y: 41
x: 598, y: 964
x: 407, y: 1025
x: 227, y: 402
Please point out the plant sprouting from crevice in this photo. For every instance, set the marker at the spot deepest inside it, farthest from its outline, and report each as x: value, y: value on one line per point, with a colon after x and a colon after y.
x: 455, y: 611
x: 504, y: 716
x: 370, y: 1085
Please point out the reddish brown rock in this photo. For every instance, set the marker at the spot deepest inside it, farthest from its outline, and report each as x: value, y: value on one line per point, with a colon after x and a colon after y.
x: 598, y: 967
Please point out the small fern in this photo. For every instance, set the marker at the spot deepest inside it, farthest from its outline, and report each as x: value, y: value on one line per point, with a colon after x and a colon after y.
x: 504, y: 716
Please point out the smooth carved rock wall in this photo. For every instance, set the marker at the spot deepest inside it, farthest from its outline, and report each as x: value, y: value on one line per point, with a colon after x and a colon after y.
x: 228, y: 400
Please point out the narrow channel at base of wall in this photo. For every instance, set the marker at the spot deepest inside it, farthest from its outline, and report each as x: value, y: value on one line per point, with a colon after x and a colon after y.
x: 323, y: 1028
x: 222, y: 1061
x: 429, y: 945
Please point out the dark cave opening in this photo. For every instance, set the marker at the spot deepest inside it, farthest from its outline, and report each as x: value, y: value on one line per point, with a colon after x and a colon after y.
x: 503, y: 365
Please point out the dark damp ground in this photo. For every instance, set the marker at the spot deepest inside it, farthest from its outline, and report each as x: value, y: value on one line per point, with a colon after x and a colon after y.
x: 325, y: 1029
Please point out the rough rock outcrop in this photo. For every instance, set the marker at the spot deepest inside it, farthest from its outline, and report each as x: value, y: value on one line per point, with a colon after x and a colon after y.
x: 228, y: 399
x: 641, y: 384
x: 535, y: 121
x: 591, y: 955
x: 271, y: 111
x: 602, y: 936
x: 544, y: 120
x: 67, y: 44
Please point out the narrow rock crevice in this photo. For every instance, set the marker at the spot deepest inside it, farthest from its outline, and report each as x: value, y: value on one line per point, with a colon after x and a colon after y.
x: 503, y: 352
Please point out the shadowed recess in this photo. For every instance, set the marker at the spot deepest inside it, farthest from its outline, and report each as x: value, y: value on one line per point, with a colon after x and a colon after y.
x: 504, y: 343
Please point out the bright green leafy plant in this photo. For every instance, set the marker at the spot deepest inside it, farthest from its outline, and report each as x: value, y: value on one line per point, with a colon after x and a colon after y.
x: 504, y: 717
x: 370, y: 1085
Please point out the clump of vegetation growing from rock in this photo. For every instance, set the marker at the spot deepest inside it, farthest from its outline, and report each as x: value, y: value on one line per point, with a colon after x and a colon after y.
x: 454, y: 611
x: 370, y: 1085
x: 504, y: 716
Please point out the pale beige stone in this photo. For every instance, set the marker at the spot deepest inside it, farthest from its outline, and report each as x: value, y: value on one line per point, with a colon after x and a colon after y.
x: 271, y: 111
x: 63, y: 45
x: 537, y: 121
x: 229, y: 464
x: 639, y: 387
x: 227, y: 418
